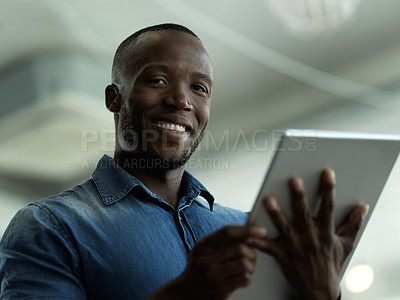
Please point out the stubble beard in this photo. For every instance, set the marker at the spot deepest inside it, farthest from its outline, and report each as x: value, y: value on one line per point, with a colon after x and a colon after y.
x: 141, y: 153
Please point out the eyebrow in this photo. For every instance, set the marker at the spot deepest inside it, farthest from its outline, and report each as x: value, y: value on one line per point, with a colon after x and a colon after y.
x: 166, y: 68
x: 203, y: 76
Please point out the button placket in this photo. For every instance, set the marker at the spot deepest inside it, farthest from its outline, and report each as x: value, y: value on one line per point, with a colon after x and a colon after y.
x: 184, y: 228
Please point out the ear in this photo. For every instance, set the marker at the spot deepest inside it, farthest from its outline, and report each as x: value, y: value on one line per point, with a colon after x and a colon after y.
x: 113, y: 98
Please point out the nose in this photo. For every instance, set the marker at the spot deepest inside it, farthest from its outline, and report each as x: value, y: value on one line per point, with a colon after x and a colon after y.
x: 178, y: 98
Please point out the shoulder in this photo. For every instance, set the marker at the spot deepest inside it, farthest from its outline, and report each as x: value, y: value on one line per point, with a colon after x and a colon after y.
x: 78, y: 198
x: 50, y: 213
x: 37, y: 249
x: 77, y: 192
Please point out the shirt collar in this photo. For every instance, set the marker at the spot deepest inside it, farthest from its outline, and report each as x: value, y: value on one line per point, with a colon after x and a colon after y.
x: 114, y: 183
x: 193, y: 188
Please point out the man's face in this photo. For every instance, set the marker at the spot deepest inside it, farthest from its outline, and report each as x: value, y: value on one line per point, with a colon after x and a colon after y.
x: 166, y: 102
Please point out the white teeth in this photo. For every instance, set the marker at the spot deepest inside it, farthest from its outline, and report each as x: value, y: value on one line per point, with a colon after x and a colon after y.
x: 170, y: 126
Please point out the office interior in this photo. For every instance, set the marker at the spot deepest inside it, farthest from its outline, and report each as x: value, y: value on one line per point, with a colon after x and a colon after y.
x: 308, y: 65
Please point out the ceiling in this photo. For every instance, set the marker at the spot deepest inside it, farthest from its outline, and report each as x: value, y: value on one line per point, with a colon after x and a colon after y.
x: 95, y: 28
x: 266, y: 77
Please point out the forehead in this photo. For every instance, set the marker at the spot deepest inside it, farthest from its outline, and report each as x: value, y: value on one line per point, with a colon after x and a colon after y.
x: 179, y: 49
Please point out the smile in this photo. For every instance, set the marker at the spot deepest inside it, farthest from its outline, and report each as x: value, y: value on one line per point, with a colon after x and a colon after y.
x: 171, y: 126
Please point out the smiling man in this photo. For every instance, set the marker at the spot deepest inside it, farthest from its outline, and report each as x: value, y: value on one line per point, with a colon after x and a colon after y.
x: 144, y: 228
x: 161, y: 98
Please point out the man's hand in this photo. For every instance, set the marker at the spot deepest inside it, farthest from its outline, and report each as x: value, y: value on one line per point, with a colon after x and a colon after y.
x: 221, y: 262
x: 218, y: 265
x: 310, y: 253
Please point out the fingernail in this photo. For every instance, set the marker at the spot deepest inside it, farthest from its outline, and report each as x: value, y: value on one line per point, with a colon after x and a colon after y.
x: 272, y: 204
x: 331, y: 175
x: 366, y: 209
x: 298, y: 183
x: 258, y: 231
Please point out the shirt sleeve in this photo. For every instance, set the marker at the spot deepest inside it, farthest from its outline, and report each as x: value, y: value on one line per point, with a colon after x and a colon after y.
x: 38, y: 259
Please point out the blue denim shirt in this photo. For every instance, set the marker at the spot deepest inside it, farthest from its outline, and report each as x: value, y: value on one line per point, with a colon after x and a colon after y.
x: 107, y: 238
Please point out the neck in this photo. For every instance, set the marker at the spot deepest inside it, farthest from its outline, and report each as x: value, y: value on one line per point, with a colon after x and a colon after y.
x: 163, y: 182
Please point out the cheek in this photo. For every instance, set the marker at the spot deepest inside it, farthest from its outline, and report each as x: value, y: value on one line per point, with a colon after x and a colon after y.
x: 203, y: 114
x: 137, y: 107
x: 139, y: 94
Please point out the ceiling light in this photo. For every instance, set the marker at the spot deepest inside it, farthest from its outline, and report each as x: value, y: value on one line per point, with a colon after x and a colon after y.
x: 359, y: 278
x: 313, y: 16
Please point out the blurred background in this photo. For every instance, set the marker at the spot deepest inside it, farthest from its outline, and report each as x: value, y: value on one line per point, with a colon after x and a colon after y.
x: 308, y: 64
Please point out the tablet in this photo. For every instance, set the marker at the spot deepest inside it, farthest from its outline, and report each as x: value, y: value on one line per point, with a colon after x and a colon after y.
x: 362, y: 163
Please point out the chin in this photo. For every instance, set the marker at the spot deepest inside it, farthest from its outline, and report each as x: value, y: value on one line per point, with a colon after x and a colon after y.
x: 175, y: 161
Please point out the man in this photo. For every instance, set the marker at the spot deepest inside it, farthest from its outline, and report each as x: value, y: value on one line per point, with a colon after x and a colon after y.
x: 143, y: 228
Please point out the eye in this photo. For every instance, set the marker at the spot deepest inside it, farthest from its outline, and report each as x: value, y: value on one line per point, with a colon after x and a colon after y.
x: 199, y: 88
x: 157, y: 81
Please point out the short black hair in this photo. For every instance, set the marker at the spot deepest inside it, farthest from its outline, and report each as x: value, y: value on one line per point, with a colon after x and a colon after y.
x: 124, y: 48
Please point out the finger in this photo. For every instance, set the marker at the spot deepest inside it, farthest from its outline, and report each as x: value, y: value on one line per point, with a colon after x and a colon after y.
x: 237, y: 267
x: 353, y: 224
x: 325, y: 213
x: 274, y: 249
x: 230, y: 284
x: 278, y: 217
x: 234, y: 272
x: 301, y: 209
x: 241, y: 280
x: 270, y: 247
x: 235, y: 251
x: 231, y: 234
